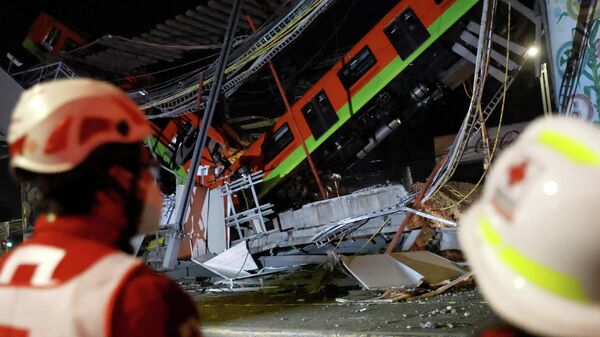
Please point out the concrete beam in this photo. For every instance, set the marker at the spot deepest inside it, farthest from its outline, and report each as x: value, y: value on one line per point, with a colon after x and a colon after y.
x: 221, y: 18
x: 194, y: 30
x: 101, y: 62
x: 206, y: 22
x: 182, y: 34
x: 131, y: 57
x: 251, y: 9
x: 139, y: 49
x: 199, y: 25
x: 166, y: 41
x: 126, y: 47
x: 170, y: 38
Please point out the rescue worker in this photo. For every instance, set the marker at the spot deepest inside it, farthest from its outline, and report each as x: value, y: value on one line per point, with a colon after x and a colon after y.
x: 532, y: 238
x: 80, y: 142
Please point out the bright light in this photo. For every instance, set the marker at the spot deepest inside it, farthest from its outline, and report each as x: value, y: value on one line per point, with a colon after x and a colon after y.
x: 519, y: 282
x: 532, y: 51
x: 550, y: 187
x: 9, y: 244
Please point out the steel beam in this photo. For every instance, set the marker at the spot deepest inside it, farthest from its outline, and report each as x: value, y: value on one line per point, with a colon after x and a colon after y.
x: 211, y: 102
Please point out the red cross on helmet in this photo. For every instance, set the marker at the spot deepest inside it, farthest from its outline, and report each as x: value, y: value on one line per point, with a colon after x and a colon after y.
x: 532, y: 238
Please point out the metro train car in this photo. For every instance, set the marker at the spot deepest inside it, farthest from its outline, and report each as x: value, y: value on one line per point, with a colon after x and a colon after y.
x: 356, y: 83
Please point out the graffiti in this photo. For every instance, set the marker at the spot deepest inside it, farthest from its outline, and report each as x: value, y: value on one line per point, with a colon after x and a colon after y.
x: 586, y: 99
x: 573, y: 7
x: 504, y: 141
x: 508, y: 139
x: 582, y: 107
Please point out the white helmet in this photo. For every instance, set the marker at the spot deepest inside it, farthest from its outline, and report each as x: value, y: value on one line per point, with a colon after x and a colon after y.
x: 533, y: 237
x: 56, y: 125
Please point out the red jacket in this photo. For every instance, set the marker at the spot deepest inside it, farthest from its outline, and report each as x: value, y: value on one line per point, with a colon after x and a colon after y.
x: 69, y: 279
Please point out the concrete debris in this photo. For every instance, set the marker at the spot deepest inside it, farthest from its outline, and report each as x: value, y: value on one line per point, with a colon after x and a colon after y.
x: 354, y: 224
x: 447, y: 203
x: 410, y: 239
x: 428, y: 325
x: 449, y: 239
x: 381, y: 271
x: 332, y: 210
x: 233, y: 263
x: 435, y: 269
x: 401, y: 270
x: 421, y: 292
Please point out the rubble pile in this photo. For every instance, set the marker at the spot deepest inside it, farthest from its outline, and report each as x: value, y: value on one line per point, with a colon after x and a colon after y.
x: 402, y: 276
x: 447, y: 203
x: 392, y: 295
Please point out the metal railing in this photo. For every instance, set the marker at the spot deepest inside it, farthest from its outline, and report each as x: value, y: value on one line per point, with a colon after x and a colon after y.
x: 43, y: 73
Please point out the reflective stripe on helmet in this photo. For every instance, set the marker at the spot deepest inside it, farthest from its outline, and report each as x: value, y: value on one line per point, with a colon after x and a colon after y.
x: 569, y: 147
x: 553, y: 281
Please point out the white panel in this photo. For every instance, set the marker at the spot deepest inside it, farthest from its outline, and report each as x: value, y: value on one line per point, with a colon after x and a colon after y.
x: 233, y: 263
x: 9, y: 94
x: 215, y: 222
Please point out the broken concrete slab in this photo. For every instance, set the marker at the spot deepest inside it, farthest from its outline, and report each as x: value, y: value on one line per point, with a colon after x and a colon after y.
x: 401, y: 270
x: 434, y: 268
x: 347, y: 206
x: 381, y: 271
x: 449, y: 240
x: 233, y: 263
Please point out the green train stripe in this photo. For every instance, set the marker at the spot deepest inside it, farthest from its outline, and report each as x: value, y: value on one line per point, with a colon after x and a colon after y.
x: 161, y: 151
x: 385, y: 76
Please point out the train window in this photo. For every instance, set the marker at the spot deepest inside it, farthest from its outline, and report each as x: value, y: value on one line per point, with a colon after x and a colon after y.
x: 277, y: 142
x: 51, y: 38
x: 406, y: 33
x: 319, y: 114
x: 357, y: 67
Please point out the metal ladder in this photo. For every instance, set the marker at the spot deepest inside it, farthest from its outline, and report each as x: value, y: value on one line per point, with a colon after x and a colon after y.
x: 472, y: 124
x: 232, y: 85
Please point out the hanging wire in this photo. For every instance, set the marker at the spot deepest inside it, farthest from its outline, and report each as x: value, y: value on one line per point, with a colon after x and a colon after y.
x: 243, y: 60
x: 499, y: 122
x: 170, y: 68
x: 462, y: 138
